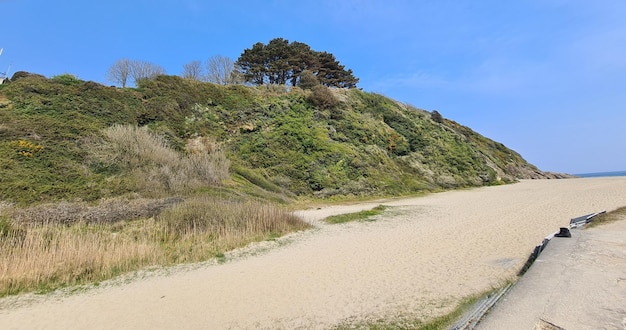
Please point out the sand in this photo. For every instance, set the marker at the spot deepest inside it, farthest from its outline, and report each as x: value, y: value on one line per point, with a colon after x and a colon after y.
x: 418, y: 260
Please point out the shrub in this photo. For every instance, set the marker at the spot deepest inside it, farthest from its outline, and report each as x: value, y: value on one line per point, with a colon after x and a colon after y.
x: 153, y: 164
x: 26, y: 148
x: 135, y: 147
x: 66, y: 79
x: 276, y: 89
x: 436, y: 116
x: 23, y: 74
x: 322, y: 97
x: 308, y: 80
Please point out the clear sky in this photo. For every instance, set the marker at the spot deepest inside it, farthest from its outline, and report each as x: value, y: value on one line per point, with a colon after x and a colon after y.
x: 546, y: 78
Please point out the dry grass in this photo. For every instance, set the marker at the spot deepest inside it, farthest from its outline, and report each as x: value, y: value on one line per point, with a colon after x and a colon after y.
x: 52, y: 256
x: 615, y: 215
x: 42, y: 257
x: 225, y: 225
x: 154, y: 165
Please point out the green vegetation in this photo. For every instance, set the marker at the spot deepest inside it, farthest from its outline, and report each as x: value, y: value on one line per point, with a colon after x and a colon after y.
x: 321, y: 142
x: 357, y: 216
x: 281, y: 62
x: 115, y: 179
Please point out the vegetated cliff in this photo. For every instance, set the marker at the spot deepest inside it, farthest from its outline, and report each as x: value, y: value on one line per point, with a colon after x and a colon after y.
x: 319, y: 142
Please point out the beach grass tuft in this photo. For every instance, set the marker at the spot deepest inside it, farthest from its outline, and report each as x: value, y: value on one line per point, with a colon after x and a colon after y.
x: 601, y: 219
x: 356, y: 216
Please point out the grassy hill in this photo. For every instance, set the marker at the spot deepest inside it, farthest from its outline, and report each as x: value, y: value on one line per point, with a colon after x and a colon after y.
x: 97, y: 181
x: 292, y: 142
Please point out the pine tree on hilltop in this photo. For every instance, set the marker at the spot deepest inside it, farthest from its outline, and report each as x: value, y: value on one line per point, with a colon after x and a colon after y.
x: 282, y: 62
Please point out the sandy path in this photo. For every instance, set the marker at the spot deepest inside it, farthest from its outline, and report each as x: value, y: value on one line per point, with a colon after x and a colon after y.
x: 417, y: 261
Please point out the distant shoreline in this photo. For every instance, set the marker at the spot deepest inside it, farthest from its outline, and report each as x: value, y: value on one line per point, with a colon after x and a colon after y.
x: 601, y: 174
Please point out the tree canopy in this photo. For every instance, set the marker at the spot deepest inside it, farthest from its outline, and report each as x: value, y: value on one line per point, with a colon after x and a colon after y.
x: 282, y: 62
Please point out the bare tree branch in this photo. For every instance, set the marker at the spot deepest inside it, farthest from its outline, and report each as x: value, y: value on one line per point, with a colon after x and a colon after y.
x: 119, y: 72
x: 193, y: 70
x: 144, y: 70
x: 220, y: 70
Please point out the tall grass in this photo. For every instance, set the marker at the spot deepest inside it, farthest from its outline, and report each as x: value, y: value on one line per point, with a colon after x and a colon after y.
x: 36, y: 256
x: 153, y: 164
x: 227, y: 225
x: 52, y: 256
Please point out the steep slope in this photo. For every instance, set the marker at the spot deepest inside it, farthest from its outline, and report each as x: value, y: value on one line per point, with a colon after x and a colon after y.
x: 288, y: 141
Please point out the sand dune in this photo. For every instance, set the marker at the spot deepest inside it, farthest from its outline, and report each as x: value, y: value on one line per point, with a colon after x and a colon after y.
x: 418, y: 260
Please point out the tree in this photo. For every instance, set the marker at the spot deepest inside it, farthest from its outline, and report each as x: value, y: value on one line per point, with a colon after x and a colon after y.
x: 236, y: 77
x: 119, y: 72
x: 278, y: 68
x: 252, y: 64
x: 124, y: 68
x: 307, y: 80
x: 281, y: 62
x: 332, y: 74
x: 302, y: 57
x: 193, y: 70
x: 144, y: 70
x: 220, y: 70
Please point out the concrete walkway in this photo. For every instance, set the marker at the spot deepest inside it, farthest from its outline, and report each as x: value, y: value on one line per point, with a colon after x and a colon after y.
x: 576, y: 283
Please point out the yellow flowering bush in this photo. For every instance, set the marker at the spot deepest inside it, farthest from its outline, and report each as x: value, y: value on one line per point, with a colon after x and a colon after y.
x: 26, y: 148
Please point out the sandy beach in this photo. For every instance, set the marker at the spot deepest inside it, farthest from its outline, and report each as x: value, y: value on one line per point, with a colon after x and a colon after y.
x: 417, y: 260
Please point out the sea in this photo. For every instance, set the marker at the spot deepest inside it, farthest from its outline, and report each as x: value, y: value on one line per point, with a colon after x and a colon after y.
x: 601, y: 174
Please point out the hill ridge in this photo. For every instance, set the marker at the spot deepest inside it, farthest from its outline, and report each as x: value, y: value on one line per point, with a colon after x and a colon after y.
x: 294, y: 142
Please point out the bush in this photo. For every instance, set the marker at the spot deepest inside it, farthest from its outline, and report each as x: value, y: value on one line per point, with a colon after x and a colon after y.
x: 135, y: 147
x: 23, y: 74
x: 308, y: 80
x: 436, y: 116
x: 276, y: 89
x: 154, y: 165
x: 322, y: 97
x: 66, y: 79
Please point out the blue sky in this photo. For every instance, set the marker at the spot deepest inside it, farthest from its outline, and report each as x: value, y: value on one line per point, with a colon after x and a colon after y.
x: 546, y: 78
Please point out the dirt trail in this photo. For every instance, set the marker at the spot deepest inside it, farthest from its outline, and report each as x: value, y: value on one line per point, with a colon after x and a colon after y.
x: 417, y: 260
